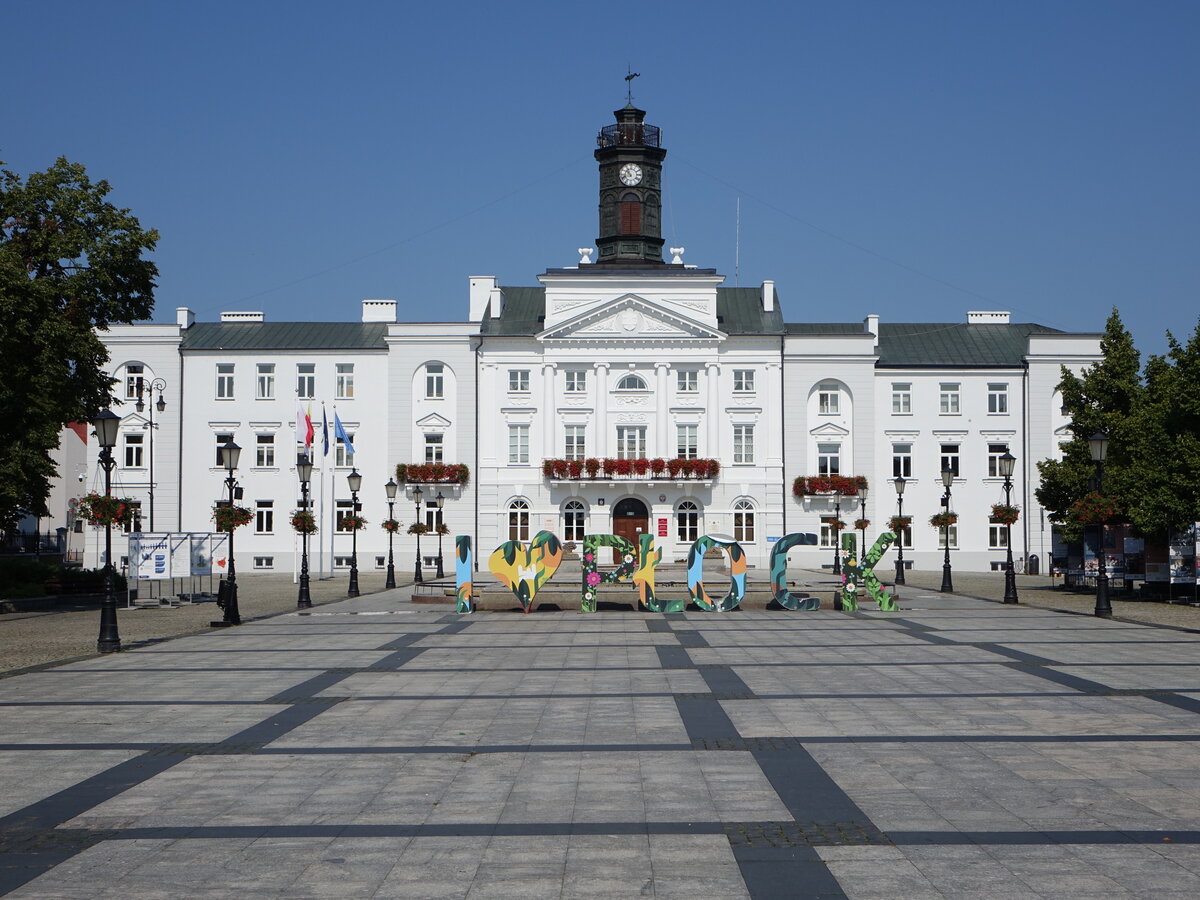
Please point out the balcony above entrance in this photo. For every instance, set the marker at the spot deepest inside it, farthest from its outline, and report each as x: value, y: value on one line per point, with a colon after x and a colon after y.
x: 641, y: 469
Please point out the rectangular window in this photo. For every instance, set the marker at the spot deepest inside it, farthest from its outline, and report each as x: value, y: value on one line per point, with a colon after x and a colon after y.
x: 433, y: 448
x: 518, y: 381
x: 381, y: 562
x: 133, y: 451
x: 134, y: 373
x: 344, y: 509
x: 686, y: 441
x: 133, y: 525
x: 224, y: 381
x: 631, y: 441
x: 433, y: 515
x: 343, y: 384
x: 997, y: 537
x: 687, y: 522
x: 434, y: 381
x: 264, y: 387
x: 995, y: 451
x: 576, y: 381
x: 264, y: 517
x: 743, y: 381
x: 901, y: 399
x: 904, y: 538
x: 306, y: 380
x: 266, y: 451
x: 575, y: 437
x: 264, y: 562
x: 828, y: 399
x: 828, y: 535
x: 222, y: 439
x: 902, y: 460
x: 949, y: 459
x: 998, y: 399
x: 743, y: 525
x: 829, y: 459
x: 342, y: 457
x: 743, y: 444
x: 518, y: 445
x: 687, y: 381
x: 341, y: 562
x: 949, y: 399
x: 953, y: 534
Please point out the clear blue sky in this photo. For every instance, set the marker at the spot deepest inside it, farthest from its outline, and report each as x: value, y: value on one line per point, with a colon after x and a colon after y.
x: 912, y: 159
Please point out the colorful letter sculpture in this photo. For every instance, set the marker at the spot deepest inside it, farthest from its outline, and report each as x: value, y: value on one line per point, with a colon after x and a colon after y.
x: 593, y: 577
x: 855, y: 573
x: 649, y: 557
x: 779, y: 552
x: 737, y: 571
x: 525, y: 569
x: 464, y: 562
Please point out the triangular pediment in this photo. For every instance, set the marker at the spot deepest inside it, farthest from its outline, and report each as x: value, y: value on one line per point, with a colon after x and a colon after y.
x: 433, y: 420
x: 630, y: 319
x: 829, y: 430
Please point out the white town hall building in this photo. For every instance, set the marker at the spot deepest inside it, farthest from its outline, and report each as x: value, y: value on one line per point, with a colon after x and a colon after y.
x: 618, y: 395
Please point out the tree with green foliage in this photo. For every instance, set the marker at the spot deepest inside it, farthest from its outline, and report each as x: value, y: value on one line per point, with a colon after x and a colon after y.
x: 70, y: 263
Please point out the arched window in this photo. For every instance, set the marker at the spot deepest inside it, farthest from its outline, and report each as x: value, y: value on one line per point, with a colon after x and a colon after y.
x: 687, y: 521
x: 743, y: 522
x: 631, y: 214
x: 631, y: 382
x: 574, y: 514
x: 518, y: 520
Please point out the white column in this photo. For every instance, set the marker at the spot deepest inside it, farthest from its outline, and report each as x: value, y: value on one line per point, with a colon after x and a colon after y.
x: 712, y: 448
x: 601, y: 394
x: 549, y: 412
x: 662, y: 411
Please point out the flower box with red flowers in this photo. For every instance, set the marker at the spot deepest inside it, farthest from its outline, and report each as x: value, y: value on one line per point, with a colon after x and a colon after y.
x: 943, y: 519
x: 1003, y: 514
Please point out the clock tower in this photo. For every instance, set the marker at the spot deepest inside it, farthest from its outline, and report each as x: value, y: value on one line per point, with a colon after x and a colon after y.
x: 630, y: 157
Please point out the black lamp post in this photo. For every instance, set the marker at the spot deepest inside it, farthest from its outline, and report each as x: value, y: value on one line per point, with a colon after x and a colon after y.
x: 837, y: 533
x: 230, y: 453
x: 390, y: 488
x: 900, y: 483
x: 416, y: 495
x: 441, y: 502
x: 304, y: 472
x: 947, y: 480
x: 1098, y: 444
x: 355, y: 482
x: 1007, y: 463
x: 862, y: 514
x: 161, y: 405
x: 107, y: 423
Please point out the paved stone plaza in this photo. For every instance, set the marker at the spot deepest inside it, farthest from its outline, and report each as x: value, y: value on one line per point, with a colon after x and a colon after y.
x: 375, y: 748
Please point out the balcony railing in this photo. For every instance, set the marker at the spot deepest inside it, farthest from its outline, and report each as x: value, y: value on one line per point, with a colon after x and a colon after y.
x: 640, y: 469
x: 628, y: 134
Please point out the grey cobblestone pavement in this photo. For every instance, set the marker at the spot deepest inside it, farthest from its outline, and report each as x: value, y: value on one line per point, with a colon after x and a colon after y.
x: 377, y: 748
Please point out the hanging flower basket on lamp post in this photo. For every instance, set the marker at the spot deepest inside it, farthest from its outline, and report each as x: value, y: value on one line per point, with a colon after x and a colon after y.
x: 943, y: 519
x: 1003, y: 514
x: 97, y: 509
x: 304, y: 522
x: 231, y: 517
x: 391, y: 526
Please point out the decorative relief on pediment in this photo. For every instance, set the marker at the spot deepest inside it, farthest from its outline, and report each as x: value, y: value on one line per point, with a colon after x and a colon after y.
x: 630, y: 418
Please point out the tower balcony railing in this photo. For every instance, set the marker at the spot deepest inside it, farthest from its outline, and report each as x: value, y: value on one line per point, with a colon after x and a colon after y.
x: 639, y: 469
x: 629, y: 134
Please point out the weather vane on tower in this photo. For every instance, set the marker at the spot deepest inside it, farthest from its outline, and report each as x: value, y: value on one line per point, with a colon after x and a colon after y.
x: 629, y: 84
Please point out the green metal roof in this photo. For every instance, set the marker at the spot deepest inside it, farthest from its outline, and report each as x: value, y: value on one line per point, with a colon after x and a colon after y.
x: 915, y: 344
x: 285, y: 336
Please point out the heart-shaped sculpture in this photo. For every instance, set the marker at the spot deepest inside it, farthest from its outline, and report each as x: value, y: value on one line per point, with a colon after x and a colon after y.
x: 524, y: 569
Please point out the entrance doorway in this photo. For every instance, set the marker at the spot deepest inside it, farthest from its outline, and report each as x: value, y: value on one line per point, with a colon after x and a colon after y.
x: 631, y: 519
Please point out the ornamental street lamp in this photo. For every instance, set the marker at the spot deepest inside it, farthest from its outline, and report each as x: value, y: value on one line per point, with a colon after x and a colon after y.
x: 1007, y: 463
x: 837, y: 534
x: 230, y: 452
x: 107, y: 423
x: 161, y: 405
x: 390, y: 488
x: 304, y: 473
x: 355, y: 482
x: 947, y: 480
x: 416, y: 495
x: 900, y: 483
x: 441, y: 502
x: 1098, y: 444
x: 862, y: 514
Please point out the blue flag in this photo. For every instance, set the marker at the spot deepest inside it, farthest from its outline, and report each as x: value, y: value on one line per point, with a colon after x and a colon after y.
x: 340, y: 432
x: 325, y: 429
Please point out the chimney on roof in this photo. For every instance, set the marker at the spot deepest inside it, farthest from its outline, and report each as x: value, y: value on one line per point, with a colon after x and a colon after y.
x: 496, y: 302
x: 768, y: 296
x: 379, y: 310
x: 481, y: 291
x: 242, y: 317
x: 871, y: 324
x: 986, y: 317
x: 184, y: 317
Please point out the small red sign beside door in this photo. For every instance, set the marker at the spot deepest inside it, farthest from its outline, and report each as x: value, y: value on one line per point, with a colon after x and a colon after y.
x: 662, y: 527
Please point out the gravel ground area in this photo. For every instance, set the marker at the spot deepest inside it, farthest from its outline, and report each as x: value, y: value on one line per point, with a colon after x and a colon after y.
x: 32, y: 639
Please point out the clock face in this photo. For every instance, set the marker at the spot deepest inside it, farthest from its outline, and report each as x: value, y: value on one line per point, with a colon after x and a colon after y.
x: 631, y: 174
